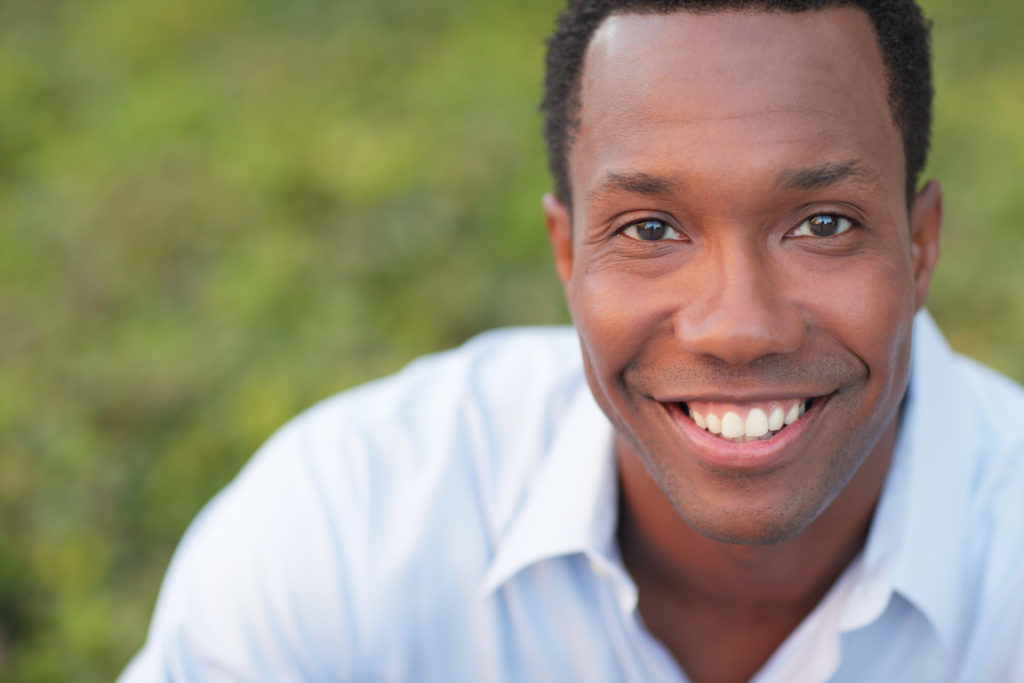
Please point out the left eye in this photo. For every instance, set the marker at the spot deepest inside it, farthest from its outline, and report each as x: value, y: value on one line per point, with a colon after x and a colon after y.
x: 651, y: 230
x: 822, y: 225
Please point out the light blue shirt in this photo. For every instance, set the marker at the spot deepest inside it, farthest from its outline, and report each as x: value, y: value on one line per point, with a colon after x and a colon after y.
x: 456, y: 522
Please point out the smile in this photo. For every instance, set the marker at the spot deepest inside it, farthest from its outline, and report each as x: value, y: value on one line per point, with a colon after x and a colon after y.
x: 743, y: 422
x: 747, y: 435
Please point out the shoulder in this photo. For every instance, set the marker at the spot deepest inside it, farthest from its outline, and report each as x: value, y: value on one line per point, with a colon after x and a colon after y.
x: 993, y: 407
x: 965, y: 404
x: 478, y: 416
x: 407, y: 477
x: 986, y: 424
x: 998, y: 400
x: 504, y: 375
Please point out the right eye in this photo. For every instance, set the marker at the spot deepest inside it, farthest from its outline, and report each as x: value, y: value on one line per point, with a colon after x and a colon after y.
x: 652, y: 230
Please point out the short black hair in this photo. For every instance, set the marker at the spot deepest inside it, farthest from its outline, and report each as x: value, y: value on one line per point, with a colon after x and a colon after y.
x: 902, y: 31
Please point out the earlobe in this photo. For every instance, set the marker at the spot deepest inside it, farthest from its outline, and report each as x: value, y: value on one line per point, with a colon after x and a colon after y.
x: 925, y: 226
x: 559, y: 225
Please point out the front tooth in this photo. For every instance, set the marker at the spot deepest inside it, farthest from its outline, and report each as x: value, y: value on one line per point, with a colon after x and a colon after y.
x: 803, y: 407
x: 714, y: 426
x: 757, y: 423
x: 732, y: 425
x: 776, y: 419
x: 699, y: 419
x: 794, y: 413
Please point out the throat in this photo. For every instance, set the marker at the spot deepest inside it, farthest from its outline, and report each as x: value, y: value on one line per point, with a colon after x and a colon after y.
x: 721, y: 616
x: 712, y: 644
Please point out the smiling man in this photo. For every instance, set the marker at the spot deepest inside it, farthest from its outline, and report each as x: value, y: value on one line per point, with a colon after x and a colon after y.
x: 743, y: 262
x: 757, y: 460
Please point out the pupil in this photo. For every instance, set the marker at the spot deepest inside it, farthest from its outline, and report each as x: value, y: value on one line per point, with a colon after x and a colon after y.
x: 651, y: 230
x: 823, y: 226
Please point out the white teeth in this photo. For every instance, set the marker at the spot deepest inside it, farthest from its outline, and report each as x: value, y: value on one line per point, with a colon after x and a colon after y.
x: 747, y: 422
x: 732, y: 425
x: 757, y: 423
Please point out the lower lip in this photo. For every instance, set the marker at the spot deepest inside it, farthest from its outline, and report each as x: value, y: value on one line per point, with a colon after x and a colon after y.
x: 751, y: 455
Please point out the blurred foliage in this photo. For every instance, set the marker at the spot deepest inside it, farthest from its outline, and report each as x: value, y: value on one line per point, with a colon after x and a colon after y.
x: 216, y: 212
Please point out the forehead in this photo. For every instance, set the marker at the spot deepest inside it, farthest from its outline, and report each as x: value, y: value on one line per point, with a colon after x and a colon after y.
x: 734, y: 91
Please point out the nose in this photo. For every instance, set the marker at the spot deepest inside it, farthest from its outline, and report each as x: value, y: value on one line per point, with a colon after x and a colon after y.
x: 737, y: 308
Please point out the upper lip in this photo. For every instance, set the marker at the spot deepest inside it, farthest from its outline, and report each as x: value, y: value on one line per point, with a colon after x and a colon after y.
x: 717, y: 396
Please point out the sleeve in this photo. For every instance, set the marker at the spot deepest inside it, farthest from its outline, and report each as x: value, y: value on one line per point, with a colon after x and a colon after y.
x: 270, y: 581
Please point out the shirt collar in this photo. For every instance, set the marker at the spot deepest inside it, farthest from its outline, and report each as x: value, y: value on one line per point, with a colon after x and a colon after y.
x: 917, y: 536
x: 570, y: 505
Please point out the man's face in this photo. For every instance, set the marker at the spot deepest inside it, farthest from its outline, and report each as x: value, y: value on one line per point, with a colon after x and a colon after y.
x: 740, y: 248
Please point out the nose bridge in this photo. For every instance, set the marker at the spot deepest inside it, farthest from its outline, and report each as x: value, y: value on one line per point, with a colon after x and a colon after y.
x: 740, y: 310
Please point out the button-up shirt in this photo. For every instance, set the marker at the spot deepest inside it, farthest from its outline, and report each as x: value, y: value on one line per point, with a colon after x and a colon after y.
x: 456, y: 522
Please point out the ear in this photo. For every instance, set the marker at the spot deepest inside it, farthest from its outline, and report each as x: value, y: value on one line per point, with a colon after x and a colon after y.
x: 925, y: 225
x: 556, y: 217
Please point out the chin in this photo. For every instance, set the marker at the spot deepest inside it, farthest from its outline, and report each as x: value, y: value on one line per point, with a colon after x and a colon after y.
x: 749, y: 527
x: 749, y: 515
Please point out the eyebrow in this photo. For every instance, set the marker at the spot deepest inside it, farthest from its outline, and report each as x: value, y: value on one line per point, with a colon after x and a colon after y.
x: 817, y: 177
x: 634, y: 183
x: 811, y: 178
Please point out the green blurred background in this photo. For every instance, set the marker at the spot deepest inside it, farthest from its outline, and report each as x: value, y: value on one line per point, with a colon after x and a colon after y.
x: 215, y: 213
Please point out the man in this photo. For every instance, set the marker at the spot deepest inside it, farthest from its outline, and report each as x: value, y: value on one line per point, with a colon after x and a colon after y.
x: 760, y: 495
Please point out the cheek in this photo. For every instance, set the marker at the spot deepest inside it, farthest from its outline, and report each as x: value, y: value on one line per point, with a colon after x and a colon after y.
x: 868, y: 305
x: 618, y: 315
x: 615, y: 313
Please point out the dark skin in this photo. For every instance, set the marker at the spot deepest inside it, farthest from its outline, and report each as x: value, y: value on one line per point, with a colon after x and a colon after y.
x: 709, y: 146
